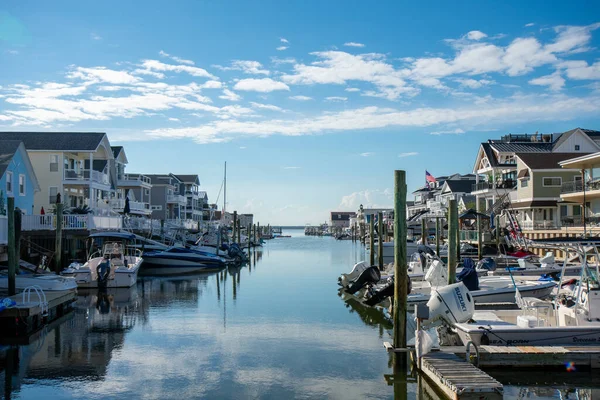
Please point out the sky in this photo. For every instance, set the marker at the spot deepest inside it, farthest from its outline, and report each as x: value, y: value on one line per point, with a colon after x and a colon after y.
x: 312, y: 104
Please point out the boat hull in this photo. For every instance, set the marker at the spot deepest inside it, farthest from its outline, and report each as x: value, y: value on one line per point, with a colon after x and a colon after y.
x: 170, y: 266
x: 512, y: 335
x: 121, y: 277
x: 48, y: 283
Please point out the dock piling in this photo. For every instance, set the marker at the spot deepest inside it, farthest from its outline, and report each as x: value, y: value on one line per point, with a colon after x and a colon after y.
x: 380, y: 240
x: 424, y: 231
x: 479, y: 238
x: 400, y: 270
x: 437, y: 235
x: 12, y: 261
x: 372, y: 239
x: 249, y: 229
x: 58, y: 242
x: 234, y: 226
x: 453, y: 241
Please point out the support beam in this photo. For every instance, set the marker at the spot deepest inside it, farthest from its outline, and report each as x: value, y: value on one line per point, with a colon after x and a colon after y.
x: 372, y: 239
x: 437, y: 235
x: 58, y: 242
x: 452, y: 240
x: 380, y: 240
x: 12, y: 261
x: 400, y: 270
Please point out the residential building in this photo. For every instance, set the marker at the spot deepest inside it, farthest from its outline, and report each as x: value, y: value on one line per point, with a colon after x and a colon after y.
x: 207, y: 209
x: 581, y: 194
x: 135, y: 187
x: 341, y: 219
x: 246, y: 219
x: 77, y: 165
x: 467, y: 202
x: 432, y: 199
x: 165, y: 200
x: 496, y: 164
x: 190, y: 188
x: 18, y: 179
x: 537, y: 197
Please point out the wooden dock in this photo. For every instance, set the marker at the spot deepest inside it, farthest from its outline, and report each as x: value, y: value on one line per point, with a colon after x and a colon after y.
x: 26, y: 318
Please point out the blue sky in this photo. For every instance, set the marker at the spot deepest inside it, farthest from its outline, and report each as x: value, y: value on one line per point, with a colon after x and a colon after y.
x: 313, y: 104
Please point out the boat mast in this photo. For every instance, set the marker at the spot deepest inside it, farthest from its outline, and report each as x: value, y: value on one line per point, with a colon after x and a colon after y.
x: 225, y: 191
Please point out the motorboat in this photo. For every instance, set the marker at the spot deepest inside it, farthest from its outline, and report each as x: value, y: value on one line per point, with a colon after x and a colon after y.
x: 180, y: 260
x: 115, y: 262
x: 527, y: 267
x: 46, y: 282
x: 388, y: 250
x: 573, y: 318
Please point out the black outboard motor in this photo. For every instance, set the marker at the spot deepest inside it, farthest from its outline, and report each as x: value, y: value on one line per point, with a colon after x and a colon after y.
x: 103, y: 271
x: 422, y: 249
x: 378, y: 296
x: 468, y: 275
x: 369, y: 275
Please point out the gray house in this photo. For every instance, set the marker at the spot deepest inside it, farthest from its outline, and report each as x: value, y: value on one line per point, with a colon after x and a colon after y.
x: 190, y: 189
x: 165, y: 200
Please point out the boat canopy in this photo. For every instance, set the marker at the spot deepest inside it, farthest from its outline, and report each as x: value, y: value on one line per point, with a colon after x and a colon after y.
x: 114, y: 234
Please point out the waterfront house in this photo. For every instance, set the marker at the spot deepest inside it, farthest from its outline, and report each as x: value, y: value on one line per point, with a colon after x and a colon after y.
x: 496, y: 165
x: 432, y: 199
x: 190, y: 189
x: 165, y: 200
x: 18, y: 179
x: 537, y: 196
x: 135, y: 187
x: 77, y: 165
x: 341, y: 219
x: 466, y: 202
x: 581, y: 194
x: 246, y: 219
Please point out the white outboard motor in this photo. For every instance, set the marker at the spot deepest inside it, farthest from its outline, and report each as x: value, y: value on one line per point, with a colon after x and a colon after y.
x: 547, y: 260
x: 437, y: 274
x: 451, y: 304
x: 415, y: 265
x: 345, y: 279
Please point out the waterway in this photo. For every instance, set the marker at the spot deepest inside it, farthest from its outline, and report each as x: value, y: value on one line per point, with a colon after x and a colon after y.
x: 274, y: 330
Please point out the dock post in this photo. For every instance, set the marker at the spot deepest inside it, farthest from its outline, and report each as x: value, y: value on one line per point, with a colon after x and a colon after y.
x: 479, y: 238
x: 498, y: 233
x: 12, y: 262
x: 380, y: 239
x: 257, y: 234
x: 372, y: 239
x: 58, y: 243
x: 400, y: 270
x: 452, y: 240
x: 234, y: 226
x: 162, y: 226
x: 424, y: 231
x: 437, y: 235
x: 249, y: 228
x: 239, y: 232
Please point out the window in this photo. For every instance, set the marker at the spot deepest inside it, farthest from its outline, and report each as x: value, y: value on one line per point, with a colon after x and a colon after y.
x: 576, y: 211
x: 147, y: 192
x: 52, y: 192
x: 157, y: 208
x: 563, y: 211
x: 53, y: 163
x: 21, y: 185
x: 524, y: 183
x: 9, y: 182
x: 552, y: 182
x: 576, y: 147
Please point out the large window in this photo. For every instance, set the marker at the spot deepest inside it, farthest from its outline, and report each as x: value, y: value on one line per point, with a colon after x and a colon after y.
x: 53, y: 162
x: 552, y: 182
x: 52, y: 193
x: 9, y: 182
x: 21, y: 185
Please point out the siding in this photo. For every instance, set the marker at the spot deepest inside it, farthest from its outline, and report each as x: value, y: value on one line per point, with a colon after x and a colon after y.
x: 158, y: 197
x: 26, y: 202
x: 540, y: 191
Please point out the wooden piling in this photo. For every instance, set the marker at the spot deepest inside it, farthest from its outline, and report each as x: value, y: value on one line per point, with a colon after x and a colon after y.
x: 498, y: 233
x: 479, y: 238
x: 452, y: 240
x: 372, y: 239
x: 437, y: 235
x: 380, y: 240
x: 12, y: 261
x: 258, y: 234
x: 234, y: 226
x: 58, y: 242
x: 249, y: 228
x: 400, y: 269
x: 423, y: 231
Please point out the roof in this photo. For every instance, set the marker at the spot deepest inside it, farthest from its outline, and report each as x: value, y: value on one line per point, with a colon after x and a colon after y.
x: 524, y: 173
x: 489, y: 154
x: 189, y: 178
x: 534, y: 203
x: 161, y: 179
x: 460, y: 186
x: 8, y: 148
x: 592, y: 134
x: 521, y: 147
x: 546, y: 161
x: 57, y: 141
x: 116, y: 150
x: 342, y: 215
x: 202, y: 194
x: 468, y: 198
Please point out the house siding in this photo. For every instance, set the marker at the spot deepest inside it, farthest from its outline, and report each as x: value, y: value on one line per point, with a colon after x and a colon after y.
x: 158, y: 196
x: 539, y: 191
x: 40, y: 161
x: 17, y: 167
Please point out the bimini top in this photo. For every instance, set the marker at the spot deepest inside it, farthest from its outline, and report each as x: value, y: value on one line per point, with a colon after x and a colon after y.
x: 568, y: 240
x: 114, y: 234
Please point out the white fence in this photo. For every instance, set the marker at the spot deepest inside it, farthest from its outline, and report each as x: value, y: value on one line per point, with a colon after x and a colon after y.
x: 95, y: 222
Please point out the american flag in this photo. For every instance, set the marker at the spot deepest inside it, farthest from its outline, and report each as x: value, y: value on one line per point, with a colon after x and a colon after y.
x: 429, y: 178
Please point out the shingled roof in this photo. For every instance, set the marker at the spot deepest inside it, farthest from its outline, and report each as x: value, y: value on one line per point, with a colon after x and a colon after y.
x: 56, y: 141
x: 8, y: 148
x: 460, y: 186
x: 547, y: 161
x: 188, y: 178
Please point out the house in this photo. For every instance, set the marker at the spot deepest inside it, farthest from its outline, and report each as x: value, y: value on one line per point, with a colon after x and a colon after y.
x: 536, y: 199
x: 245, y: 220
x: 581, y: 194
x: 341, y: 219
x: 78, y: 165
x: 206, y: 208
x: 496, y: 165
x: 190, y: 188
x: 135, y: 187
x: 432, y: 199
x: 18, y: 179
x: 466, y: 202
x: 165, y: 200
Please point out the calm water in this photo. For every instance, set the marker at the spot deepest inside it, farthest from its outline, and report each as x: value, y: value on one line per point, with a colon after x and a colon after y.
x: 276, y: 330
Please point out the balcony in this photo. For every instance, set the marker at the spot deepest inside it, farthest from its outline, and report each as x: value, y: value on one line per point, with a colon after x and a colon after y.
x: 70, y: 222
x: 85, y: 175
x: 133, y: 180
x: 176, y: 199
x: 508, y: 184
x: 574, y: 190
x: 538, y: 225
x: 135, y: 207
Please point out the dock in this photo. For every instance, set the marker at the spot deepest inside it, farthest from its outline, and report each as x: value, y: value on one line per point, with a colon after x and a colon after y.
x: 25, y: 318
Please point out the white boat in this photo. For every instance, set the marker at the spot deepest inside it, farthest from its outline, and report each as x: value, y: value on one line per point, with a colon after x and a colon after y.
x: 179, y: 260
x: 47, y: 282
x: 573, y: 318
x: 525, y: 267
x: 115, y: 264
x: 388, y: 251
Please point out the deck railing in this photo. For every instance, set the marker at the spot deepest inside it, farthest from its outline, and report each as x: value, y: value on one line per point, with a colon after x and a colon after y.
x: 86, y: 175
x: 538, y: 225
x: 506, y: 184
x: 119, y: 204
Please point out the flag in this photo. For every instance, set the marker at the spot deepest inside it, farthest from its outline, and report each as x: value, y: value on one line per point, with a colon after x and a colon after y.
x: 429, y: 178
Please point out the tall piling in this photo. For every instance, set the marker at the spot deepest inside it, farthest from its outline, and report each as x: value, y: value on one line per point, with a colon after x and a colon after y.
x: 438, y: 233
x: 497, y: 233
x: 424, y: 231
x: 372, y: 239
x: 12, y: 262
x: 249, y: 228
x: 58, y: 241
x: 479, y: 238
x: 400, y: 269
x: 380, y: 240
x: 452, y: 240
x: 234, y: 226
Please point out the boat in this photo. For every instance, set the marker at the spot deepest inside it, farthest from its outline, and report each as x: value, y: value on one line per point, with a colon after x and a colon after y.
x: 388, y: 250
x: 573, y: 318
x: 46, y: 282
x: 114, y: 264
x: 179, y: 260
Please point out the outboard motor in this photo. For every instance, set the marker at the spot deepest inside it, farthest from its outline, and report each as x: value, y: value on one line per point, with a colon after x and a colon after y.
x: 380, y: 295
x: 452, y: 304
x: 487, y: 264
x: 103, y: 272
x: 422, y: 249
x: 369, y: 275
x: 468, y: 275
x: 345, y: 279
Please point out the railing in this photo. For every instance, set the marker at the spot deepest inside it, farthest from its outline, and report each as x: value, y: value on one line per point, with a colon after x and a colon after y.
x: 70, y: 222
x: 507, y: 184
x: 134, y: 178
x: 577, y: 221
x: 468, y: 235
x: 119, y: 204
x: 182, y: 223
x: 175, y: 198
x: 537, y: 225
x: 86, y: 175
x: 3, y: 229
x: 38, y: 222
x: 577, y: 186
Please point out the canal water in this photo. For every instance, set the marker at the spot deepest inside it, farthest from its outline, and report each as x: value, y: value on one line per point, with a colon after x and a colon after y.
x: 274, y: 330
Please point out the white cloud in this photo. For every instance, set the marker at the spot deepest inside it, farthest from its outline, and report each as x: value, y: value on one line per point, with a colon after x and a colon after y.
x: 12, y: 52
x: 155, y: 65
x: 230, y: 95
x: 474, y: 83
x: 580, y: 70
x: 354, y: 44
x: 529, y: 24
x: 281, y: 48
x: 248, y: 67
x: 301, y: 98
x: 554, y: 81
x: 270, y: 107
x: 263, y: 85
x: 102, y: 74
x: 158, y: 75
x: 291, y: 167
x: 409, y: 154
x: 476, y: 35
x: 279, y: 61
x: 95, y: 36
x: 352, y: 89
x: 212, y: 85
x: 370, y: 198
x: 456, y: 131
x: 572, y: 39
x: 242, y: 147
x: 175, y: 58
x: 367, y: 154
x: 336, y: 98
x: 174, y: 119
x: 283, y: 40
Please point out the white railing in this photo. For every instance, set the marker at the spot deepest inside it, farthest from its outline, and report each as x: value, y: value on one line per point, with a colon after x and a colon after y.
x: 86, y: 175
x: 37, y: 223
x: 537, y: 225
x: 75, y: 221
x: 97, y: 222
x: 70, y: 222
x: 3, y: 229
x: 134, y: 178
x: 119, y: 204
x: 182, y: 223
x: 175, y: 198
